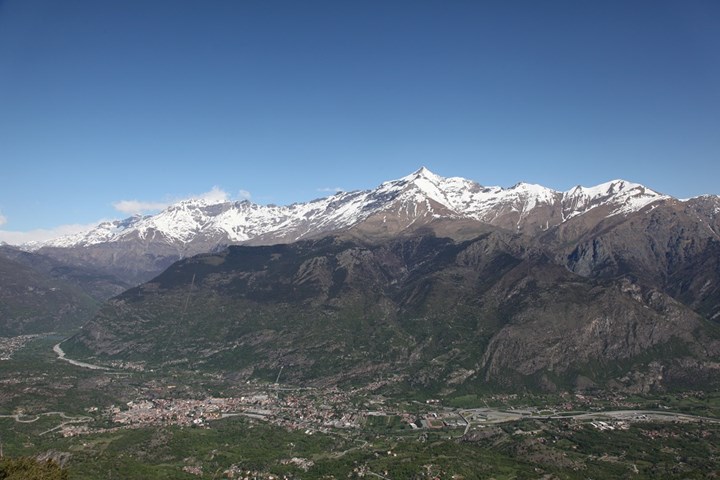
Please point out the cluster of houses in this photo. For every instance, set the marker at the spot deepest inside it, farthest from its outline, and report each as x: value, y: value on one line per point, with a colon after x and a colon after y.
x: 9, y: 345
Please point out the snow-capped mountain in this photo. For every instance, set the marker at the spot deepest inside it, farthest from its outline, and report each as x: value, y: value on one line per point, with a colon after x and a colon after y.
x: 135, y: 249
x: 421, y: 195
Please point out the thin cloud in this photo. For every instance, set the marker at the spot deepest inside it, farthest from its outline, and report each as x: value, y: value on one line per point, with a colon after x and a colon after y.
x: 330, y: 189
x: 133, y: 207
x: 128, y: 207
x: 43, y: 234
x: 215, y: 195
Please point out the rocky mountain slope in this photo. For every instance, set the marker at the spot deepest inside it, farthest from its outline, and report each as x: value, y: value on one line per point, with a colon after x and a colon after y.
x: 32, y: 301
x: 673, y: 246
x: 450, y: 284
x: 93, y: 281
x: 137, y: 248
x: 485, y: 313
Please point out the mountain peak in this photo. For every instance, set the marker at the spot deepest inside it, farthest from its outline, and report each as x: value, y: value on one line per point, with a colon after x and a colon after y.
x: 614, y: 187
x: 423, y: 173
x: 622, y: 195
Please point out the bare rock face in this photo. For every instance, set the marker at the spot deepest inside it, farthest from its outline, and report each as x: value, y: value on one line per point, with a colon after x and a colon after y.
x: 671, y: 247
x: 590, y: 325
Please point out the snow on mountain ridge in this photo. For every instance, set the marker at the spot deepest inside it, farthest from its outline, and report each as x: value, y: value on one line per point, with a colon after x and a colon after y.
x: 243, y: 221
x: 631, y: 197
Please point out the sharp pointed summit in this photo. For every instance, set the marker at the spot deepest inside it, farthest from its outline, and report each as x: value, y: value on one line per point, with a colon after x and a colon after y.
x: 425, y: 172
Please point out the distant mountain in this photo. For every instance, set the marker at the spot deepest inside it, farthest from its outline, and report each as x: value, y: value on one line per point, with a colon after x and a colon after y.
x: 92, y: 281
x: 137, y: 248
x: 32, y: 301
x: 419, y: 195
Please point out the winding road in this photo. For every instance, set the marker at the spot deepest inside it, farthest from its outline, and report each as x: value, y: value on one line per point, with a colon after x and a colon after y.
x: 34, y: 418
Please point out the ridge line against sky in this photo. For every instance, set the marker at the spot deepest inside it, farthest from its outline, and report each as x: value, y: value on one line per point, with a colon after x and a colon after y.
x: 144, y: 207
x: 109, y: 108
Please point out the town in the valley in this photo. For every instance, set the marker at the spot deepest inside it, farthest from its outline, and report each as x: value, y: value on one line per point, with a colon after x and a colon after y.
x: 56, y: 402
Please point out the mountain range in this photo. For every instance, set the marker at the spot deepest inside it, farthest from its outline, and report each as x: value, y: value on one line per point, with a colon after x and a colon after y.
x: 440, y: 283
x: 138, y: 248
x: 418, y: 197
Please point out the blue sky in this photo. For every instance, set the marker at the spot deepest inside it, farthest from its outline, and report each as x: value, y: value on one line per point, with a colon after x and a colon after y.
x: 105, y: 103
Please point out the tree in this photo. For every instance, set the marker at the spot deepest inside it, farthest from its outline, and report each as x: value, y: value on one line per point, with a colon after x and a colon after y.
x: 26, y: 468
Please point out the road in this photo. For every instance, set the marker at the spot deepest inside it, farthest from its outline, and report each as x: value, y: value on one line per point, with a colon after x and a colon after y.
x: 34, y: 418
x: 17, y: 417
x: 485, y: 416
x: 642, y: 415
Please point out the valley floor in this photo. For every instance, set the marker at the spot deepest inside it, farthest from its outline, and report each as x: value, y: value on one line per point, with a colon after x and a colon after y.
x: 183, y: 424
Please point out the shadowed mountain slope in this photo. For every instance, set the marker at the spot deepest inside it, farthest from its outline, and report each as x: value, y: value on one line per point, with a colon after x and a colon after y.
x: 492, y: 312
x: 33, y: 302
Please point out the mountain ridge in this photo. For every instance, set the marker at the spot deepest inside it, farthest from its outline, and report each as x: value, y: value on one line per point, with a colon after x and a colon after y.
x: 136, y: 249
x: 244, y: 221
x: 476, y: 314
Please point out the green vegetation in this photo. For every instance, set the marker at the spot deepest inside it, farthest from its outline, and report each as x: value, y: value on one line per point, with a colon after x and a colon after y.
x: 35, y: 382
x: 562, y: 449
x: 385, y: 424
x: 26, y: 468
x: 33, y: 302
x: 474, y: 317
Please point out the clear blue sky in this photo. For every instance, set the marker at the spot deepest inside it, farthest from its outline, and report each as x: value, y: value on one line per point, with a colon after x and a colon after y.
x: 152, y: 101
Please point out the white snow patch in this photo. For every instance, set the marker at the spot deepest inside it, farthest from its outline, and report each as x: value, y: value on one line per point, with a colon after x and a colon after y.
x: 212, y: 217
